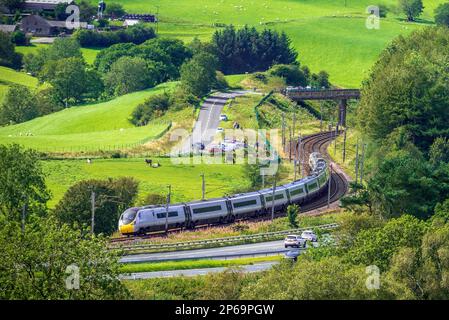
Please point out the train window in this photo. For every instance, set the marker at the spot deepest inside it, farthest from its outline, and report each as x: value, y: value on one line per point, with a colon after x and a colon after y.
x: 297, y: 191
x: 276, y: 197
x: 129, y: 216
x: 161, y: 215
x: 206, y: 209
x: 244, y: 203
x: 312, y: 186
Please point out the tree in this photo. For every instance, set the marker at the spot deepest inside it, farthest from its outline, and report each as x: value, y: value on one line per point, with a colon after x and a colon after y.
x: 292, y: 74
x: 111, y: 198
x: 408, y: 89
x: 329, y: 278
x: 411, y: 8
x: 248, y: 50
x: 19, y: 105
x: 439, y: 151
x: 87, y: 10
x: 442, y: 15
x: 320, y: 80
x: 292, y: 215
x: 12, y: 5
x: 130, y: 74
x: 8, y: 56
x: 61, y: 48
x: 153, y: 107
x: 23, y: 183
x: 423, y: 270
x: 376, y: 246
x: 51, y: 261
x: 198, y: 75
x: 69, y: 79
x: 114, y: 10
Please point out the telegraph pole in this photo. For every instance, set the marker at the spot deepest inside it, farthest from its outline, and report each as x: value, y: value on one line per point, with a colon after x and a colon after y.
x: 357, y: 162
x: 203, y: 187
x: 344, y: 146
x: 294, y: 123
x: 290, y: 144
x: 272, y: 199
x: 166, y: 208
x: 329, y: 187
x: 92, y: 201
x: 283, y: 130
x: 363, y: 162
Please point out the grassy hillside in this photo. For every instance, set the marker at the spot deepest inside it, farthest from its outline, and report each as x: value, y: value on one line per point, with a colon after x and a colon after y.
x: 327, y: 34
x: 92, y: 127
x: 88, y: 53
x: 220, y: 178
x: 9, y: 76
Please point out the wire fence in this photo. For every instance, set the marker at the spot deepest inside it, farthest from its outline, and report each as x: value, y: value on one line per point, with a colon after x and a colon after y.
x: 102, y: 147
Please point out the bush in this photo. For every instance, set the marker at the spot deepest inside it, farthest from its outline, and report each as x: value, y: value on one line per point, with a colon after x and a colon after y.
x: 153, y: 107
x: 136, y: 34
x: 292, y: 74
x: 130, y: 74
x: 292, y: 215
x: 442, y: 15
x: 112, y: 197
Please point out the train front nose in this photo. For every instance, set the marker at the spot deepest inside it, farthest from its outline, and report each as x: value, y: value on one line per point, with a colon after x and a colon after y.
x: 126, y: 228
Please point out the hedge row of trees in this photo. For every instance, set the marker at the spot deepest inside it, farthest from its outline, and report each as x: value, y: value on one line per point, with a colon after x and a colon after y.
x: 249, y: 50
x: 136, y: 34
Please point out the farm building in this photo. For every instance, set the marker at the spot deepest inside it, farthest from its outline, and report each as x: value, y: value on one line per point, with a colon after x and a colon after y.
x: 8, y: 28
x: 43, y: 5
x: 140, y: 17
x: 39, y: 26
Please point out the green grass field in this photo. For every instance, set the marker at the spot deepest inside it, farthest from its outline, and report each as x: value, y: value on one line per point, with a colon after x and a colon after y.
x: 88, y: 127
x: 193, y: 264
x: 184, y: 178
x: 328, y: 35
x: 9, y: 76
x: 89, y: 54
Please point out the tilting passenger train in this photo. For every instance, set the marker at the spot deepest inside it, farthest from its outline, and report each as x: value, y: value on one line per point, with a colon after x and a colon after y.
x: 140, y: 220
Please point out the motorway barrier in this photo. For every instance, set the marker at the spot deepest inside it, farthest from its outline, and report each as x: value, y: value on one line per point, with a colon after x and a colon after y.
x: 234, y: 239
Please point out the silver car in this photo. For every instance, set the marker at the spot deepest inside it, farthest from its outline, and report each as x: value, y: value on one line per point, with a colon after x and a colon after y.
x: 294, y: 241
x: 309, y: 235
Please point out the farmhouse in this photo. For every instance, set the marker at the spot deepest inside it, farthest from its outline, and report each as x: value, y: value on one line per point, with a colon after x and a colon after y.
x: 39, y: 26
x: 43, y: 5
x: 8, y: 28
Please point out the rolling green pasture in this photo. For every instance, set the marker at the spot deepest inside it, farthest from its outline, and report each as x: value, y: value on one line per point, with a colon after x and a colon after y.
x: 328, y: 35
x: 184, y: 178
x: 91, y: 127
x: 89, y: 54
x: 9, y: 76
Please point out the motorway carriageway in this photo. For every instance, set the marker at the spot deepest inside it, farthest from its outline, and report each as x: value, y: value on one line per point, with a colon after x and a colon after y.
x: 228, y: 252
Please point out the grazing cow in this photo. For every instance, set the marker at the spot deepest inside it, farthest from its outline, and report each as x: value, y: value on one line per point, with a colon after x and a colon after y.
x: 149, y: 162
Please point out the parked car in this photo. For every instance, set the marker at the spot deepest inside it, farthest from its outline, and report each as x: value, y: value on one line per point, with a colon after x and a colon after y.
x: 294, y: 241
x: 292, y: 254
x: 309, y: 235
x: 220, y: 129
x: 223, y: 117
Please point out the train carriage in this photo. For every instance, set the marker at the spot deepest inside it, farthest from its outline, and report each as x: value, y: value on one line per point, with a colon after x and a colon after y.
x: 246, y: 203
x: 210, y: 211
x: 297, y: 191
x: 281, y: 198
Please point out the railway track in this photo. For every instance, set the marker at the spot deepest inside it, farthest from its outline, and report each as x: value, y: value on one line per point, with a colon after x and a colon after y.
x: 313, y: 143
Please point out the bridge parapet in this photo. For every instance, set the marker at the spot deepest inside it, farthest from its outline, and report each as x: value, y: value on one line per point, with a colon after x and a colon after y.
x: 328, y: 94
x: 331, y: 94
